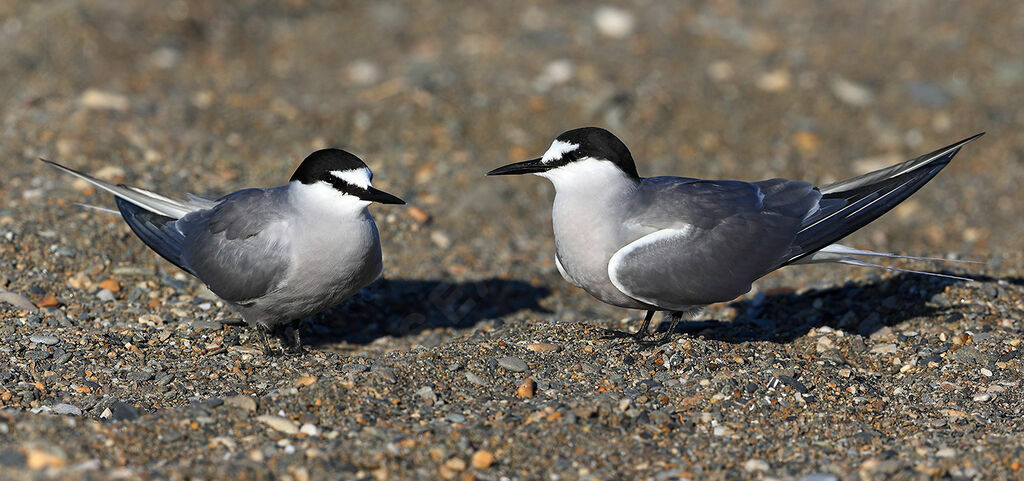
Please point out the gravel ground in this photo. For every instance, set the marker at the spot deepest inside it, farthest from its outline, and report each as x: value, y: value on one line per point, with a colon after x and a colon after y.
x: 472, y: 359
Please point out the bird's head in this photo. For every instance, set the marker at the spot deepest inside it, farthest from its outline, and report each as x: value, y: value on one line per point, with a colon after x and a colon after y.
x: 344, y: 173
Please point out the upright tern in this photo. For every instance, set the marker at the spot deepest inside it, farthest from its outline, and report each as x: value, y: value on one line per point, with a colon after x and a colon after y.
x: 275, y: 255
x: 677, y: 244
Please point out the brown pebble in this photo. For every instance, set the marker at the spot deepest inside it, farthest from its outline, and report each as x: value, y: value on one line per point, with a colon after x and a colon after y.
x: 48, y: 301
x: 37, y: 459
x: 544, y: 347
x: 482, y: 459
x: 457, y: 464
x: 110, y: 285
x: 418, y: 214
x: 305, y: 380
x: 5, y: 396
x: 527, y: 388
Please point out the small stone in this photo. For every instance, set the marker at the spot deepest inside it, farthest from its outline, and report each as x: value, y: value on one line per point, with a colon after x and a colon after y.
x: 309, y: 429
x: 544, y: 347
x: 526, y: 388
x: 613, y: 22
x: 37, y: 355
x: 946, y: 453
x: 110, y: 285
x: 48, y: 301
x: 37, y: 458
x: 96, y: 99
x: 850, y: 92
x: 886, y: 348
x: 279, y: 423
x: 473, y: 378
x: 70, y: 409
x: 457, y: 464
x: 43, y: 339
x: 774, y: 81
x: 986, y: 372
x: 246, y: 403
x: 983, y: 397
x: 305, y: 380
x: 106, y: 295
x: 17, y: 300
x: 513, y: 364
x: 456, y: 418
x: 121, y: 411
x: 418, y: 214
x: 441, y: 239
x: 755, y: 465
x: 355, y: 367
x: 427, y: 394
x: 482, y: 459
x: 820, y: 477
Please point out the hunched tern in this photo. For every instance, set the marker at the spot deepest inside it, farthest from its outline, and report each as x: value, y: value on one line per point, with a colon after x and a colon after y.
x: 276, y: 255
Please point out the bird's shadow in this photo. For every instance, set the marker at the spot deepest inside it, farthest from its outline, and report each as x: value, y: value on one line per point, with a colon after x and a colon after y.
x: 859, y: 307
x: 404, y: 307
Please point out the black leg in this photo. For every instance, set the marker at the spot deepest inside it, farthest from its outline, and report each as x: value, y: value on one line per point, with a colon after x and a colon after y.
x: 268, y: 350
x: 636, y: 336
x: 674, y: 318
x: 293, y: 334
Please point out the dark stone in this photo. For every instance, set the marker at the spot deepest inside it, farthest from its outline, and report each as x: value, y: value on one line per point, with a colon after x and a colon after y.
x: 120, y: 411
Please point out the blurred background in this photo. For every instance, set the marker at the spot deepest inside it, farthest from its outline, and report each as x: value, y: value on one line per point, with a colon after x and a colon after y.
x: 208, y: 97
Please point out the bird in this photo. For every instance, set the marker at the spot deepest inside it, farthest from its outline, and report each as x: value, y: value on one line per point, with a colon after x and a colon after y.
x: 677, y: 244
x: 275, y: 255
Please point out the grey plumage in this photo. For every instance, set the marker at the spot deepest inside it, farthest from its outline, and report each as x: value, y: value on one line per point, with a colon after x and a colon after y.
x: 676, y: 244
x: 277, y: 254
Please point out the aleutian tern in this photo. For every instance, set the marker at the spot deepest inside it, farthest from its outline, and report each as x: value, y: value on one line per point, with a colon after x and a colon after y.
x: 677, y: 244
x: 275, y: 255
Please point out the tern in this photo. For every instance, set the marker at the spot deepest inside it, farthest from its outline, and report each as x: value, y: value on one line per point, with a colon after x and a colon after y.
x: 275, y: 255
x: 677, y: 244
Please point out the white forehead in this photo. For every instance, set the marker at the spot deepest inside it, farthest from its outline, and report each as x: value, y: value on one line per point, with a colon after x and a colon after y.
x: 557, y: 150
x: 358, y: 177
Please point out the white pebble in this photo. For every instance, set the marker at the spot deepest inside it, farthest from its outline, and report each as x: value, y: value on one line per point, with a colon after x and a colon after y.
x: 309, y: 429
x: 753, y: 465
x: 851, y: 93
x: 279, y: 423
x: 613, y: 22
x: 101, y: 100
x: 105, y: 295
x: 985, y: 372
x: 63, y: 408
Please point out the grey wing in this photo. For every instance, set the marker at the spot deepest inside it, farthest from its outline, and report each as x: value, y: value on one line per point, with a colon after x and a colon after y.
x: 236, y: 247
x: 708, y: 240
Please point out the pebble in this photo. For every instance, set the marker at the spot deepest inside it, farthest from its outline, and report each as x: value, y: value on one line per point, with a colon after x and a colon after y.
x: 418, y: 214
x: 17, y: 300
x: 526, y: 388
x: 885, y: 348
x: 44, y: 339
x: 473, y: 378
x: 850, y: 92
x: 96, y: 99
x: 820, y: 477
x: 755, y: 465
x: 48, y: 301
x: 37, y: 355
x: 106, y: 295
x: 544, y: 347
x: 70, y: 409
x: 613, y: 22
x: 309, y: 429
x: 121, y: 411
x: 427, y: 394
x: 247, y: 403
x: 482, y: 459
x: 355, y: 367
x: 513, y: 364
x: 279, y: 423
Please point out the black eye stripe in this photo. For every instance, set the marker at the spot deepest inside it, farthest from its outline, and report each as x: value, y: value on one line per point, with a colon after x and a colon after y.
x: 346, y: 187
